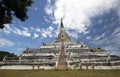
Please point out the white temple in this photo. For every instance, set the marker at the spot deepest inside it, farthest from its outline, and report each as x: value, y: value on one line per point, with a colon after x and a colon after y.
x: 76, y: 55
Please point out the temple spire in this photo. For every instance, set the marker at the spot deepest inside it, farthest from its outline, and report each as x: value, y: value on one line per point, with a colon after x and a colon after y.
x: 62, y: 26
x: 62, y: 36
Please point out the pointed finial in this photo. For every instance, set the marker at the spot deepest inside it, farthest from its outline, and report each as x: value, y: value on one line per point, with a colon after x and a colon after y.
x: 61, y: 23
x: 61, y: 19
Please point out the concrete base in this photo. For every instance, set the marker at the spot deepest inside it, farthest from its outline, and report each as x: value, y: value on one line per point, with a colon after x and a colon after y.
x: 24, y: 67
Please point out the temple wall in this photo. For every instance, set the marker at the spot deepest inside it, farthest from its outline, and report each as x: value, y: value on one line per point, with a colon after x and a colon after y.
x: 29, y: 67
x: 24, y: 67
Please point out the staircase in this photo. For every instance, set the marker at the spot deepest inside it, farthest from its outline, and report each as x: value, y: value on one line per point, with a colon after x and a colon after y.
x: 62, y: 64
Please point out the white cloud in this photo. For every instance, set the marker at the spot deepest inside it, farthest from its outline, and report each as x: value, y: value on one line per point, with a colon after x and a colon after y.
x: 47, y: 32
x: 17, y: 31
x: 48, y: 8
x: 88, y: 37
x: 11, y: 29
x: 73, y: 34
x: 76, y: 14
x: 116, y: 31
x: 49, y: 1
x: 5, y: 42
x: 36, y: 8
x: 50, y: 28
x: 26, y: 33
x: 25, y: 28
x: 7, y: 28
x: 37, y: 29
x: 35, y: 36
x: 47, y: 20
x: 44, y: 35
x: 100, y: 36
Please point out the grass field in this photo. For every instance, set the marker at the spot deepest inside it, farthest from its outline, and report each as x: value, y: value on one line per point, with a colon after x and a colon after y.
x: 59, y: 73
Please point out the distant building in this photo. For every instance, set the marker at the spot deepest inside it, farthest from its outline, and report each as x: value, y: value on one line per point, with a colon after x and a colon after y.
x: 66, y: 54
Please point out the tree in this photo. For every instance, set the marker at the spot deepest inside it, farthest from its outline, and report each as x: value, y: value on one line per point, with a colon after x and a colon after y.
x: 10, y: 8
x: 7, y: 54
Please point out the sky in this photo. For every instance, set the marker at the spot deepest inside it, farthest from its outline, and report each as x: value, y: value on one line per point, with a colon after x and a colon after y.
x: 94, y: 22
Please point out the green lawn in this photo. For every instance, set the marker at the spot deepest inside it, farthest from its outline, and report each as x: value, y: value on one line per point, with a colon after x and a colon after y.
x: 59, y: 73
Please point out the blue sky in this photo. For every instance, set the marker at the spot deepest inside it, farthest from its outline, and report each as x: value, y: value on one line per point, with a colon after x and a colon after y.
x: 94, y: 22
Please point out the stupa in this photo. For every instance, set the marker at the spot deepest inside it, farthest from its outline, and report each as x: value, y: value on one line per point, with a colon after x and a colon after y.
x: 65, y: 54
